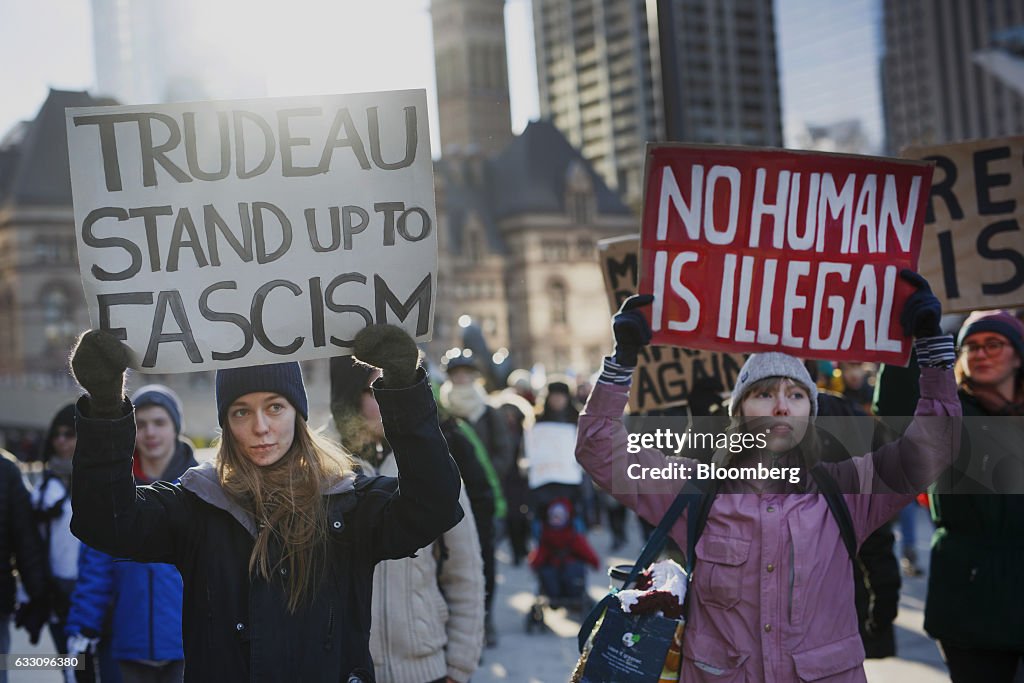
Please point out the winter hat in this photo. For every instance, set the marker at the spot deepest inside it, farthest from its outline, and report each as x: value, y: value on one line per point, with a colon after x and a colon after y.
x: 65, y: 417
x: 159, y: 395
x: 1000, y: 322
x: 559, y: 387
x: 349, y: 379
x: 278, y: 378
x: 763, y: 365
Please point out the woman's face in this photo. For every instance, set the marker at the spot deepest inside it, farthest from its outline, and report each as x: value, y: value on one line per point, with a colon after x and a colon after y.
x: 64, y: 441
x: 990, y: 359
x: 155, y: 437
x: 370, y: 410
x: 263, y: 426
x: 783, y: 410
x: 557, y: 401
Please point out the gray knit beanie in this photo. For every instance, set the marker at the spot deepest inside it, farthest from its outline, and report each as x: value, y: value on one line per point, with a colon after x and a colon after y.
x: 763, y: 365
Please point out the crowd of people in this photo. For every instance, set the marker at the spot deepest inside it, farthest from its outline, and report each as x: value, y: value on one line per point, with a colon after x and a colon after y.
x: 365, y: 550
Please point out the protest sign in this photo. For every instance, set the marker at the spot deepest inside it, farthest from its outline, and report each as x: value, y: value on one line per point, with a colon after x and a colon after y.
x: 665, y: 374
x: 775, y: 250
x: 219, y: 234
x: 550, y: 449
x: 973, y: 248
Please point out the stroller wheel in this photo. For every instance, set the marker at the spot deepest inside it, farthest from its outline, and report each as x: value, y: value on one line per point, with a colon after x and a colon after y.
x: 535, y: 618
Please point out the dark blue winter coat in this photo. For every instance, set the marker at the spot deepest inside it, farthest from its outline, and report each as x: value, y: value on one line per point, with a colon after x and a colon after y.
x: 145, y: 598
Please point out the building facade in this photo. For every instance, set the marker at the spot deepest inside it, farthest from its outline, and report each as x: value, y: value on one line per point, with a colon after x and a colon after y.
x: 934, y: 89
x: 472, y: 75
x: 610, y: 83
x: 517, y: 234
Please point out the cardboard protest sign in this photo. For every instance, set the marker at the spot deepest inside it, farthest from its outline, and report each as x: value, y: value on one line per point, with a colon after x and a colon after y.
x: 664, y: 374
x: 775, y: 250
x: 218, y: 234
x: 550, y: 449
x: 973, y: 249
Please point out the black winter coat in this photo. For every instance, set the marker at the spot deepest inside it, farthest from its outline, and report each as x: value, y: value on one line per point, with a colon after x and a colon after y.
x: 236, y: 627
x: 19, y: 539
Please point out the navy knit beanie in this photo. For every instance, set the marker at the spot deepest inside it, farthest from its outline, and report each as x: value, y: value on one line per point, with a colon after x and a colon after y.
x: 159, y: 395
x: 278, y: 378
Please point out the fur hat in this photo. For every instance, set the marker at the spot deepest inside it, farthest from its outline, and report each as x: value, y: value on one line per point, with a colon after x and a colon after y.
x: 764, y: 365
x: 284, y: 379
x: 999, y: 322
x: 159, y: 395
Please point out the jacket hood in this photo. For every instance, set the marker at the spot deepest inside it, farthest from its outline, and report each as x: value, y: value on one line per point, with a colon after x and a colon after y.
x: 203, y: 482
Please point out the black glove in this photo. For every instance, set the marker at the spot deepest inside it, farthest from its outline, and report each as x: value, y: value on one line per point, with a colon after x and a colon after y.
x: 32, y: 616
x: 98, y: 363
x: 631, y: 329
x: 922, y: 311
x: 391, y: 349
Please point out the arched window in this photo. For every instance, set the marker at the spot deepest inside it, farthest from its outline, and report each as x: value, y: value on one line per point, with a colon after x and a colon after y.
x: 58, y: 315
x: 558, y: 296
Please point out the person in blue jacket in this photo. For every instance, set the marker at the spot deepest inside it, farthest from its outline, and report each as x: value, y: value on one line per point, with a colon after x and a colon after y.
x: 145, y: 599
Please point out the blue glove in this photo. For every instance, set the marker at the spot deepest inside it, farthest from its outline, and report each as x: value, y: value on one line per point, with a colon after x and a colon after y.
x: 631, y: 329
x: 922, y: 311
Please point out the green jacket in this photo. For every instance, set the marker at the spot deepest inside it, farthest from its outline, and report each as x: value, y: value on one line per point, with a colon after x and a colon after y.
x: 974, y: 592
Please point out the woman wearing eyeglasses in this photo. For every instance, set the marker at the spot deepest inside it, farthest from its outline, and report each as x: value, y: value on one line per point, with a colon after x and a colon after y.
x: 975, y: 606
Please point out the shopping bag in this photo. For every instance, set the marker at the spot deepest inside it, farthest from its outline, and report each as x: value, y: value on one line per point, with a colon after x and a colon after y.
x: 629, y: 648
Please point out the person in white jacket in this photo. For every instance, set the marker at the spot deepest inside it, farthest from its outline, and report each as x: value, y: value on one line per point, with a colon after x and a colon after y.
x: 427, y: 610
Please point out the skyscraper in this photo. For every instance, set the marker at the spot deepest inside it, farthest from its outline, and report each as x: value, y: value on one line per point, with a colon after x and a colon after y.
x: 934, y: 90
x: 472, y: 74
x: 600, y: 74
x: 150, y: 52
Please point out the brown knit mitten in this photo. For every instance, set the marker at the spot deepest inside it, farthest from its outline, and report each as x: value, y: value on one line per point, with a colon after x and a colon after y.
x: 391, y: 349
x: 98, y: 363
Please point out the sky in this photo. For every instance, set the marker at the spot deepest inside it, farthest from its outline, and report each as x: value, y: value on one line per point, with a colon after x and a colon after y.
x: 339, y: 46
x: 316, y: 47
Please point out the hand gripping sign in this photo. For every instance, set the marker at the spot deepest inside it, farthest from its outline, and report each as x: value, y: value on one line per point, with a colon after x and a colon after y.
x: 218, y: 234
x: 758, y: 250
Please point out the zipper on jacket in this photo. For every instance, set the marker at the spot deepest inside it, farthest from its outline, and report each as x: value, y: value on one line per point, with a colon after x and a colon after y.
x: 328, y: 642
x: 152, y: 639
x: 792, y: 578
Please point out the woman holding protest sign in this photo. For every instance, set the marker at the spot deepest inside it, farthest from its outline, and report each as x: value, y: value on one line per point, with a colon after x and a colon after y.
x: 277, y: 541
x: 772, y: 594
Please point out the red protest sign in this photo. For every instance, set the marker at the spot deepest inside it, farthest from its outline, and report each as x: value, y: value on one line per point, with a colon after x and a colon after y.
x: 775, y: 250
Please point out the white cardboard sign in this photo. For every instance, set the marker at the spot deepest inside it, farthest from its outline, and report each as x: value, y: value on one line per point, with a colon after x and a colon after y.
x: 551, y: 454
x: 220, y: 234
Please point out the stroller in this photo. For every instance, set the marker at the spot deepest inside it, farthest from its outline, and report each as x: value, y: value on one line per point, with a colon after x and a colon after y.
x: 561, y: 553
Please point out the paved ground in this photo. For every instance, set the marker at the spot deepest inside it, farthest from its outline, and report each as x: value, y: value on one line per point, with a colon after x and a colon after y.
x: 549, y: 657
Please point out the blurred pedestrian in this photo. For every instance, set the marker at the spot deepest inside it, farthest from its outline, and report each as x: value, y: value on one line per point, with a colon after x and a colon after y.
x: 427, y: 610
x: 142, y: 600
x: 21, y: 546
x: 463, y: 395
x: 975, y: 605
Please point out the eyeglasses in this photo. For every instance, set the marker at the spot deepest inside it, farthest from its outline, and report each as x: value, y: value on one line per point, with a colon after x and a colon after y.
x: 991, y: 347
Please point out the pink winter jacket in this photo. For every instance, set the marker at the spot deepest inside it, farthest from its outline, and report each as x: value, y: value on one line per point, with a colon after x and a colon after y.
x: 773, y: 584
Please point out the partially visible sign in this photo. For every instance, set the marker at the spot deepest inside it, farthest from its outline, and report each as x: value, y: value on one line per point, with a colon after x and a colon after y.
x: 551, y: 454
x: 773, y: 250
x: 665, y: 375
x: 973, y: 249
x: 218, y: 234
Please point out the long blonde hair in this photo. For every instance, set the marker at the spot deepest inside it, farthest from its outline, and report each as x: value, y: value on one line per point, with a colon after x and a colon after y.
x: 287, y: 503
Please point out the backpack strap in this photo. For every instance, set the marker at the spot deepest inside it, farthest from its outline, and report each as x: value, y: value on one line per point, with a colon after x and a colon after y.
x: 691, y: 497
x: 837, y: 505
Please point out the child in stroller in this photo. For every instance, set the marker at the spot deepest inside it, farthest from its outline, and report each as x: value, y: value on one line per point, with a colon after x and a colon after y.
x: 560, y: 555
